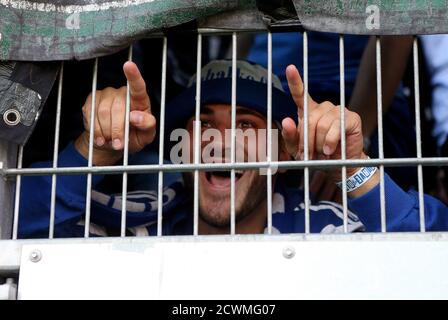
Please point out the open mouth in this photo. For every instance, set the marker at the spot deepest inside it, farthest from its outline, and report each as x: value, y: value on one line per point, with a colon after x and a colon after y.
x: 221, y: 179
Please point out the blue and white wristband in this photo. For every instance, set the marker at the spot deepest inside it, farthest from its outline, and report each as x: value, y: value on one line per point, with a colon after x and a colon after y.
x: 359, y: 178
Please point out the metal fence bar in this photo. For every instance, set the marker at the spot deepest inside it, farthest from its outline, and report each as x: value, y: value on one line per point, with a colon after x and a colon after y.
x: 90, y: 158
x: 232, y: 146
x: 162, y: 140
x: 55, y: 153
x: 305, y: 130
x: 197, y: 136
x: 418, y: 135
x: 15, y: 226
x: 124, y: 193
x: 269, y: 133
x: 380, y: 131
x: 342, y: 123
x: 233, y: 166
x: 389, y: 162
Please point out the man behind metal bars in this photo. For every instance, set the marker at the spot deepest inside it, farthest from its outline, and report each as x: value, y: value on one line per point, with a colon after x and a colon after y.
x: 402, y: 208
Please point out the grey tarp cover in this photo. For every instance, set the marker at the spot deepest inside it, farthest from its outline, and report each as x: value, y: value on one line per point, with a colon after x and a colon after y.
x: 24, y: 88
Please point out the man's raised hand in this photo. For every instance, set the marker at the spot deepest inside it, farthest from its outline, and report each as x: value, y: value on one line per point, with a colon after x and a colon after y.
x: 110, y: 112
x: 324, y: 133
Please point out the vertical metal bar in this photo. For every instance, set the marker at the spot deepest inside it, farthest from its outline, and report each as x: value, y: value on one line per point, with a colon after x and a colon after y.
x: 55, y: 153
x: 342, y: 122
x: 197, y: 137
x: 162, y: 140
x: 90, y: 160
x: 15, y: 227
x: 305, y: 119
x: 269, y: 133
x: 418, y: 136
x: 379, y: 99
x: 12, y: 285
x: 232, y: 148
x: 124, y: 192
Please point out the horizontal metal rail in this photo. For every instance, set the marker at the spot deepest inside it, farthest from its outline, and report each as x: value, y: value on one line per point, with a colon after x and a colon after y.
x: 389, y: 162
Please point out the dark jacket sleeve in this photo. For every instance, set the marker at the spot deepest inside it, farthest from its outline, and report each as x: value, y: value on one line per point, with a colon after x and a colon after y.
x: 34, y: 213
x: 402, y: 210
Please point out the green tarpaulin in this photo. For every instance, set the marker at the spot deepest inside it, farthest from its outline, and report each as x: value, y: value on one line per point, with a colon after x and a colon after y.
x: 374, y: 16
x: 39, y: 30
x: 55, y: 30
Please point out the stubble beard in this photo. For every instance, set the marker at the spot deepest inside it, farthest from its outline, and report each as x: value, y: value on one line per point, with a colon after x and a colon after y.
x: 214, y: 208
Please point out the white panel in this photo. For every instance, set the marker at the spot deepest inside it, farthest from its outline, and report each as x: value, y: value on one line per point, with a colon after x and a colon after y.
x: 236, y: 270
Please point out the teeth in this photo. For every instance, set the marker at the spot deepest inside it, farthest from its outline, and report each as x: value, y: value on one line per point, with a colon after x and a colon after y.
x: 227, y: 173
x: 213, y: 175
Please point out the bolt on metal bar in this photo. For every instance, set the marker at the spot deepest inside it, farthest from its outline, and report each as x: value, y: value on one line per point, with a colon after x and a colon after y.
x: 342, y: 123
x: 379, y: 99
x: 162, y: 140
x: 306, y: 173
x: 15, y: 226
x: 197, y: 136
x: 55, y: 153
x: 232, y: 146
x: 124, y: 192
x: 269, y: 133
x: 418, y: 135
x: 90, y: 158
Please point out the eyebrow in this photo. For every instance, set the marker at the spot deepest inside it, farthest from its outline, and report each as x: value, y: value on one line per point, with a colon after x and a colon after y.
x: 206, y: 111
x: 246, y: 111
x: 240, y: 111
